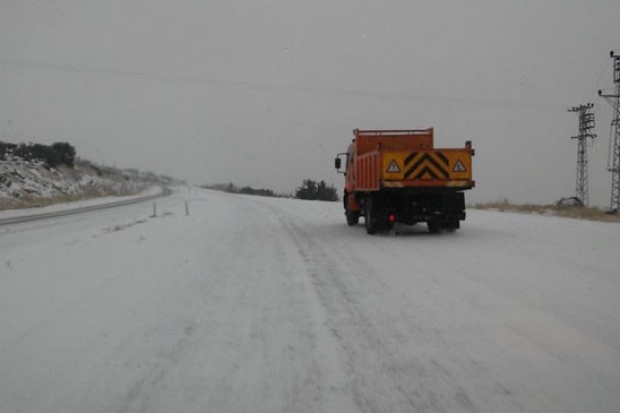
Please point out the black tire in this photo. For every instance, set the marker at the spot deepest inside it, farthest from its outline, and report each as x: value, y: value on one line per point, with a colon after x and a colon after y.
x: 353, y: 218
x: 433, y: 227
x: 452, y: 227
x: 369, y: 216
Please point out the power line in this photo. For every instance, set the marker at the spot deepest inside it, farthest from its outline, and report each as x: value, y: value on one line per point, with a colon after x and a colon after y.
x: 613, y: 163
x: 586, y: 124
x: 259, y: 86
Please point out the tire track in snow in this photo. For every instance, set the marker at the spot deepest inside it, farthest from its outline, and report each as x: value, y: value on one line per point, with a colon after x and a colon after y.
x: 383, y: 373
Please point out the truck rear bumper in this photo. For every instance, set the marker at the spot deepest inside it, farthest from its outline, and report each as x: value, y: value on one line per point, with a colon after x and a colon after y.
x: 430, y: 184
x: 415, y: 205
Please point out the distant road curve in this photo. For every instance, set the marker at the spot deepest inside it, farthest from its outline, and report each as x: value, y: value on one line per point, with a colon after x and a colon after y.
x: 81, y: 210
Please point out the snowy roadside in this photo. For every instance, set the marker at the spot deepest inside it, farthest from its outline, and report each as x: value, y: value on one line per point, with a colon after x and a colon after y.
x: 77, y: 205
x: 28, y: 185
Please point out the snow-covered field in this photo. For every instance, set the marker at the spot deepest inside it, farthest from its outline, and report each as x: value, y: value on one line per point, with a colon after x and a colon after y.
x: 261, y: 305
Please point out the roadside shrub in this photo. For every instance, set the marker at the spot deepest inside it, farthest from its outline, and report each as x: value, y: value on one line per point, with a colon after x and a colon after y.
x: 60, y: 153
x: 316, y: 191
x: 66, y: 153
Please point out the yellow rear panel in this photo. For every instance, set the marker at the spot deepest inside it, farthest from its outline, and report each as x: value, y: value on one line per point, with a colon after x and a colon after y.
x: 440, y: 167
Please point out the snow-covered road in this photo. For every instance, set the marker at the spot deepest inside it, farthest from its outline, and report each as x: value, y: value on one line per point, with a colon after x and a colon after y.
x: 268, y: 305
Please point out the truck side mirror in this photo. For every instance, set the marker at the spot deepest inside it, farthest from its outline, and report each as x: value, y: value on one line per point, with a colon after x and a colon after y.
x: 337, y: 163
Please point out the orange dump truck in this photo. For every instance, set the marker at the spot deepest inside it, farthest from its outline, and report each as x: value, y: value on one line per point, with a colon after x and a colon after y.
x: 398, y: 176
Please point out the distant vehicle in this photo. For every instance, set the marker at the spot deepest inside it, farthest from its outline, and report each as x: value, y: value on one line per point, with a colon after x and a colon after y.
x: 397, y: 176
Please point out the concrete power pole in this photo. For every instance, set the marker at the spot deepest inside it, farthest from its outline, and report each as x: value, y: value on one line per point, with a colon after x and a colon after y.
x: 586, y: 124
x: 613, y: 163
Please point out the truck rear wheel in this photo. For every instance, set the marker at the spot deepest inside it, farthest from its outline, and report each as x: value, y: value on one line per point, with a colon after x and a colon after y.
x: 369, y: 216
x: 439, y: 226
x: 453, y: 226
x: 353, y: 218
x: 433, y: 227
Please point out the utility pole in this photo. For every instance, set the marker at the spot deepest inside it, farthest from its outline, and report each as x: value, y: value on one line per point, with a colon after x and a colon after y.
x: 613, y: 162
x: 586, y: 124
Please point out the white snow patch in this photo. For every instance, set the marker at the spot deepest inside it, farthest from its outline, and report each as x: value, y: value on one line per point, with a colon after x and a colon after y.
x: 259, y: 304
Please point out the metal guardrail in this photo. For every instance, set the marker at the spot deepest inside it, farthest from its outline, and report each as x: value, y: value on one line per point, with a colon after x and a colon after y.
x: 81, y: 210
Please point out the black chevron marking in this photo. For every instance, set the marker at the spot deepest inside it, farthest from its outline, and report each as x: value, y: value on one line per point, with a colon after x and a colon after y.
x: 439, y: 168
x: 424, y: 159
x: 410, y: 158
x: 443, y: 157
x: 416, y: 165
x: 424, y: 171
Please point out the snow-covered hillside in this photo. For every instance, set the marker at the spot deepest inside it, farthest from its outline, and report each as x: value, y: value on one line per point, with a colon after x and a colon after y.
x: 249, y: 304
x: 27, y: 184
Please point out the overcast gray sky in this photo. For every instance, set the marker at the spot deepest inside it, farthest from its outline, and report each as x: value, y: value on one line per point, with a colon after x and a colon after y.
x: 266, y: 92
